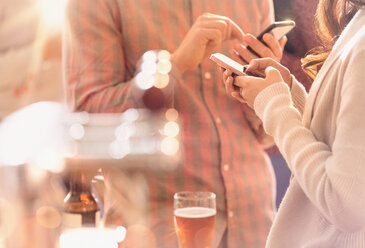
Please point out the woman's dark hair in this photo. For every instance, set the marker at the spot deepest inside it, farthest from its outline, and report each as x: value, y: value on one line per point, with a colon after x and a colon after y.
x: 332, y: 16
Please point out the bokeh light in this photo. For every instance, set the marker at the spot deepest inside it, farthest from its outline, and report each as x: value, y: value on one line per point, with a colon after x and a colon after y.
x: 171, y: 114
x: 48, y: 217
x: 77, y: 131
x: 149, y: 67
x: 171, y: 129
x: 130, y: 115
x: 169, y: 146
x: 145, y: 80
x: 163, y: 55
x: 149, y: 56
x: 161, y: 80
x: 164, y: 66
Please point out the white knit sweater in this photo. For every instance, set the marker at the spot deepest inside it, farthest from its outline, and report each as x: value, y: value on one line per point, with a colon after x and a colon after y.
x: 322, y: 137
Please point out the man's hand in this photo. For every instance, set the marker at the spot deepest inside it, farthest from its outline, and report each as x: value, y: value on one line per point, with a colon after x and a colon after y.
x: 270, y: 49
x: 205, y: 35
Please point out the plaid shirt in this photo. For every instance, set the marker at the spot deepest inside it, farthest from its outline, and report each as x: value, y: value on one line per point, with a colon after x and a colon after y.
x: 105, y: 39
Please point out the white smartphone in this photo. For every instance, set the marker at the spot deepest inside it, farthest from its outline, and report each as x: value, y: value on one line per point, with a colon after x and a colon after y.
x: 228, y: 63
x: 278, y: 29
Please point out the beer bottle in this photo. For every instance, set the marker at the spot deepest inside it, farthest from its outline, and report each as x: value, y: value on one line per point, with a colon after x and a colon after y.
x: 81, y: 208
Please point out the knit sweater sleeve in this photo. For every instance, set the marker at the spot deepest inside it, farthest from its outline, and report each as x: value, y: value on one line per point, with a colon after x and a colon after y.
x: 331, y: 177
x: 298, y: 94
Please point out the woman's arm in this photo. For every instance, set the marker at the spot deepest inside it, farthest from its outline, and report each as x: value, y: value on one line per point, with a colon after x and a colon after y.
x: 332, y: 177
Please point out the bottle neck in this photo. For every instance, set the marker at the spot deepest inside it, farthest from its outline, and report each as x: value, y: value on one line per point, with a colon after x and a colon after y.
x: 80, y: 181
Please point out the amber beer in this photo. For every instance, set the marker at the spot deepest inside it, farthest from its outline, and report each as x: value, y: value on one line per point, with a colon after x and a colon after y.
x: 195, y: 226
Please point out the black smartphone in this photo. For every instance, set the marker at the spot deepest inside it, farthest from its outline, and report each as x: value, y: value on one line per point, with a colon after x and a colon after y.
x: 278, y: 29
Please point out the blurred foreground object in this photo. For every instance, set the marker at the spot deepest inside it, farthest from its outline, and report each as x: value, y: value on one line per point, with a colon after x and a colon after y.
x: 92, y: 238
x: 30, y: 192
x: 44, y: 140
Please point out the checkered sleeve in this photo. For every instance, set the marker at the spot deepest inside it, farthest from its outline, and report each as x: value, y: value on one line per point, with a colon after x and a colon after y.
x: 96, y: 74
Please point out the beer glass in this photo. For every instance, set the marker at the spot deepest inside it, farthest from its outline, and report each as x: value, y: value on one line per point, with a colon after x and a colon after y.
x: 194, y: 215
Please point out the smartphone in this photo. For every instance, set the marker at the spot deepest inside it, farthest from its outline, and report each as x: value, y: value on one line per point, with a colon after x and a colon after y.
x: 278, y: 29
x: 228, y: 63
x: 236, y: 68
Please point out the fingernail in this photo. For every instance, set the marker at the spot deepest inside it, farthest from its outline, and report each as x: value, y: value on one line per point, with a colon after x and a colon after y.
x: 244, y: 44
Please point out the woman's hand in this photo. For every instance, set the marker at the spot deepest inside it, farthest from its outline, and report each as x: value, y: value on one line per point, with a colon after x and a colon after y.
x: 230, y: 87
x: 252, y: 86
x: 271, y: 48
x: 258, y: 66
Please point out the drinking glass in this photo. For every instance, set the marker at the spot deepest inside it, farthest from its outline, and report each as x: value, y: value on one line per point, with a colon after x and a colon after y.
x: 194, y: 216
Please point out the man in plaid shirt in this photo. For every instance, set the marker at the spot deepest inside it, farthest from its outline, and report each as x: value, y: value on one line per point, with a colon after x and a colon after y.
x: 105, y: 39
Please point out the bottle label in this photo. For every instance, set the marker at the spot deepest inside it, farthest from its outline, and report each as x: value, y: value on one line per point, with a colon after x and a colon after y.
x: 72, y: 220
x: 77, y: 220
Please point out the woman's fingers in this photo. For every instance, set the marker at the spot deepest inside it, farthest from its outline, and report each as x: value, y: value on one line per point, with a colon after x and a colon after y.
x: 261, y: 64
x: 229, y: 85
x: 273, y: 75
x: 251, y: 86
x: 236, y: 95
x: 243, y: 81
x: 226, y: 73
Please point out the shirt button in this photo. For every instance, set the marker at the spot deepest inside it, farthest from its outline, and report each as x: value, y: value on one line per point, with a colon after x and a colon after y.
x: 226, y: 167
x: 218, y: 120
x: 207, y: 75
x: 230, y: 214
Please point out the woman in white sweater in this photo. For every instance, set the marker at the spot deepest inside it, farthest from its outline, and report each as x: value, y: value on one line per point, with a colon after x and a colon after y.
x: 321, y: 135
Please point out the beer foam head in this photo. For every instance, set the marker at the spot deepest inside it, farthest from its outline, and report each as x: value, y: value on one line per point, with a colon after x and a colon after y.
x: 195, y: 212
